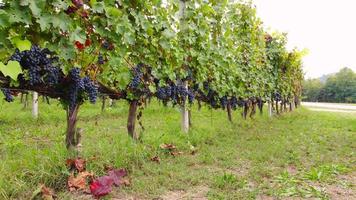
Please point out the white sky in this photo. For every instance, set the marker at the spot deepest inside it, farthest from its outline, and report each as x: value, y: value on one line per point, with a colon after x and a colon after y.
x: 327, y: 28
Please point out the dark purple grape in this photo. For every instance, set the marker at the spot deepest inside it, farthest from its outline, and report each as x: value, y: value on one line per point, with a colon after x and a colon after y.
x: 8, y: 96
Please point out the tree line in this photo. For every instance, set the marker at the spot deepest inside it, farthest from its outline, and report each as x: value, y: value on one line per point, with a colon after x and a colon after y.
x: 337, y: 88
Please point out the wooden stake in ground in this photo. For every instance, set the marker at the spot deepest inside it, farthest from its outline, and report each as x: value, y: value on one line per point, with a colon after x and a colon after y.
x: 185, y: 113
x: 35, y: 104
x: 184, y: 110
x: 270, y: 109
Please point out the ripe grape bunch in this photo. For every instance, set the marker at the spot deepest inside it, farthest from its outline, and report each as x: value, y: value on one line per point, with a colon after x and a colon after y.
x: 137, y: 76
x: 40, y: 65
x: 78, y: 86
x: 7, y: 94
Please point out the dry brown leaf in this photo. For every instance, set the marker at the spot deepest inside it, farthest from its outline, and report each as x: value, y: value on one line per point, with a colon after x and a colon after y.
x: 169, y: 147
x: 78, y: 164
x: 47, y: 193
x: 125, y: 182
x: 156, y: 159
x: 176, y: 153
x: 79, y: 182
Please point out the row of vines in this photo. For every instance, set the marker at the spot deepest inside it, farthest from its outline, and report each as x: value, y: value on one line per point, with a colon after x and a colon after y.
x: 181, y: 52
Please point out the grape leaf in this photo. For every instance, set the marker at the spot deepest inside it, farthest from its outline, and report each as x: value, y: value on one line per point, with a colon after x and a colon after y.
x: 101, y: 186
x: 37, y: 6
x: 12, y: 69
x: 22, y: 45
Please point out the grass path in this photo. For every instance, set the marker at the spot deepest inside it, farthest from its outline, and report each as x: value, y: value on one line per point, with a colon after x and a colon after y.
x: 301, y: 154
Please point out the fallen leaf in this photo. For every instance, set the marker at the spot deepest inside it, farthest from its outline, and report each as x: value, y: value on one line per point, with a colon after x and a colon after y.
x: 117, y: 175
x: 43, y: 192
x: 101, y: 186
x: 125, y: 182
x: 156, y: 159
x: 79, y: 182
x: 47, y: 193
x: 176, y: 153
x: 78, y: 164
x: 169, y: 147
x: 108, y: 167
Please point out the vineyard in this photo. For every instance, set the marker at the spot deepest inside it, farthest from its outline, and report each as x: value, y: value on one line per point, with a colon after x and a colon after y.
x: 190, y: 55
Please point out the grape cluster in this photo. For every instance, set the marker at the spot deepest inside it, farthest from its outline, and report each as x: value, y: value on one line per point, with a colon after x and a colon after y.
x: 40, y: 64
x: 234, y: 103
x: 107, y: 45
x: 223, y: 102
x: 191, y: 96
x: 8, y: 95
x: 137, y: 76
x: 100, y: 59
x: 78, y: 86
x: 277, y: 96
x: 77, y: 4
x: 175, y: 93
x: 91, y: 89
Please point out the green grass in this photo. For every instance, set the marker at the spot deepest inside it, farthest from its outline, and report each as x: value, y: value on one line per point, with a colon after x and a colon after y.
x: 296, y: 154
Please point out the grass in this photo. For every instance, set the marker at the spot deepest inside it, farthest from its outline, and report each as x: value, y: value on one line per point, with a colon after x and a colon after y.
x: 297, y: 154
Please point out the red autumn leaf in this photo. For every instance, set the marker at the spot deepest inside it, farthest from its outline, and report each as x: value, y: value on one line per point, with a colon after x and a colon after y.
x: 101, y: 186
x: 87, y: 42
x: 117, y: 175
x: 79, y: 45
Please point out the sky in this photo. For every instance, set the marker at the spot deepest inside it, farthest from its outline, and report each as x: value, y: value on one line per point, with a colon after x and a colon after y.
x: 327, y: 28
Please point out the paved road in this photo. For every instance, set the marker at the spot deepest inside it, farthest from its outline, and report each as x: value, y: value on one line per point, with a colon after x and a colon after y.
x: 330, y: 107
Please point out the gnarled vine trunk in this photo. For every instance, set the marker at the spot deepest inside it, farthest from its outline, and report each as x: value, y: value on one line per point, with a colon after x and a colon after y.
x: 131, y: 120
x: 277, y: 110
x: 228, y: 108
x: 103, y: 104
x: 72, y: 139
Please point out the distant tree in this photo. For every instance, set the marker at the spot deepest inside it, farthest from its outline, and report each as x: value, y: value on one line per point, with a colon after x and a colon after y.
x: 341, y: 87
x: 312, y: 89
x: 338, y: 88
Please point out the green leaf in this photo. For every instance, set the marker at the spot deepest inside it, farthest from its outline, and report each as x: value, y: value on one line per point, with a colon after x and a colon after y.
x: 12, y: 69
x: 22, y: 45
x: 78, y: 35
x: 152, y: 88
x: 61, y: 21
x: 45, y: 21
x: 4, y: 19
x: 60, y: 4
x: 37, y: 6
x: 98, y: 7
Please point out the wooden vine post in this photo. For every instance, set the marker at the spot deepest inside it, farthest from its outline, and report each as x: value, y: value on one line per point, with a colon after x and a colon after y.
x: 35, y: 105
x: 269, y: 107
x: 185, y: 113
x: 184, y: 110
